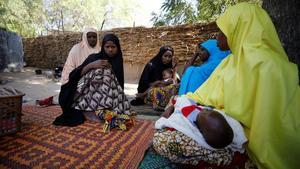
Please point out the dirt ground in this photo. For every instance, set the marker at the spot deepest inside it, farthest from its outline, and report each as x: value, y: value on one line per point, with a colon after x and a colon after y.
x: 37, y: 87
x: 41, y: 86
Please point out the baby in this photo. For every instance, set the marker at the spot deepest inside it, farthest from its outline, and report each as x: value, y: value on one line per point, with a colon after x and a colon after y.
x: 210, y: 128
x: 168, y: 78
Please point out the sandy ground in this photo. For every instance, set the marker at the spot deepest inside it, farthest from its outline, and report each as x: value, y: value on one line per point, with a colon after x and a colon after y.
x: 37, y: 87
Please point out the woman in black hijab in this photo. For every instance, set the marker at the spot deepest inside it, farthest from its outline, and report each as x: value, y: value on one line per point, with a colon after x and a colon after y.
x: 95, y: 86
x: 153, y: 70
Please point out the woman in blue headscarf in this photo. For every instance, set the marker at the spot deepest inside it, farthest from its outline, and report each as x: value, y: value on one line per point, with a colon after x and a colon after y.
x: 194, y: 76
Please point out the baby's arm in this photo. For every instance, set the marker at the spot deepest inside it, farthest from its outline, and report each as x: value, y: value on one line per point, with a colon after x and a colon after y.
x: 168, y: 82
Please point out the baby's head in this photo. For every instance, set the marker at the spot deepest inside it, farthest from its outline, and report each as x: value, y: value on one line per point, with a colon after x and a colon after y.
x: 214, y: 128
x: 167, y: 74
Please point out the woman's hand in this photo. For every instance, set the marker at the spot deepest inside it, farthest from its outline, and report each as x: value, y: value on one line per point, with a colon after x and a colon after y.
x: 100, y: 64
x: 156, y: 83
x: 174, y: 62
x: 168, y: 112
x: 95, y: 65
x: 190, y: 62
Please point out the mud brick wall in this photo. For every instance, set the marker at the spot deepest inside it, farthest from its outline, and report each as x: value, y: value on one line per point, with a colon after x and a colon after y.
x: 139, y: 44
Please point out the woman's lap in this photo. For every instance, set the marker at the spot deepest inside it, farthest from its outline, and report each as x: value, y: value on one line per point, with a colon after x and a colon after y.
x: 159, y: 97
x: 99, y: 92
x: 179, y: 148
x: 99, y: 89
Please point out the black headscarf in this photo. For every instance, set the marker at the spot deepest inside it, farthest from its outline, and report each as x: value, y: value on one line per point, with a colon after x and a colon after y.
x: 116, y: 61
x: 154, y: 68
x: 71, y: 116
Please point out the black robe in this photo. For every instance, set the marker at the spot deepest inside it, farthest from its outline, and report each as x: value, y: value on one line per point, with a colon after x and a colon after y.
x: 153, y: 70
x: 71, y: 116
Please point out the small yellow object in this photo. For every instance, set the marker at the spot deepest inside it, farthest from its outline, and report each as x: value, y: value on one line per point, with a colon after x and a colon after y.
x: 123, y: 116
x: 122, y: 126
x: 106, y: 128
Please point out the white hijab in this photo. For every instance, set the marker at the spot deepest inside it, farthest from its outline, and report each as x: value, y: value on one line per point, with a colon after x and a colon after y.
x: 79, y: 53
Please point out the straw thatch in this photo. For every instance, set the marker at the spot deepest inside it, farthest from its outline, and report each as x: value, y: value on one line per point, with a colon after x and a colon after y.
x: 139, y: 44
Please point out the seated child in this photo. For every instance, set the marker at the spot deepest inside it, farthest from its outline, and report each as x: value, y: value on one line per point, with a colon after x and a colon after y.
x: 210, y: 128
x: 168, y: 78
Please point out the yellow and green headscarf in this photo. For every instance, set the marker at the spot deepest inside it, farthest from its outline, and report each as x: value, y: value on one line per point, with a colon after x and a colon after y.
x: 258, y: 86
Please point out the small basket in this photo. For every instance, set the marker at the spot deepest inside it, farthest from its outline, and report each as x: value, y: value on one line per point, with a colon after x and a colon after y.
x: 10, y: 114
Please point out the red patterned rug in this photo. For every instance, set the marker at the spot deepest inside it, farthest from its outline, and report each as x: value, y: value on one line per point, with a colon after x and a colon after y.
x: 42, y: 145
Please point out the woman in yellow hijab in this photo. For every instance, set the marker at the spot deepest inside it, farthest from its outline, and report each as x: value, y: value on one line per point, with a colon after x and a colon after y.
x: 258, y: 86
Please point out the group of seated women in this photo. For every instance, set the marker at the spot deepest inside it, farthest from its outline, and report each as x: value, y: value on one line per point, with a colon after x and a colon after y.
x: 155, y: 90
x: 95, y: 81
x: 247, y: 100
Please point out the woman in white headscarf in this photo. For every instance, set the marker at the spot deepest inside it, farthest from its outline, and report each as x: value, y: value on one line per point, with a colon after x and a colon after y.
x: 80, y: 51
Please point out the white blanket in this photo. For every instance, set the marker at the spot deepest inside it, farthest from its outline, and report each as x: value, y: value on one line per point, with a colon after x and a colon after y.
x: 179, y: 122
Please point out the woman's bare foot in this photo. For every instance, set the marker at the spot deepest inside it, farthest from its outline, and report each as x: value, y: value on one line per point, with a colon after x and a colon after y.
x: 140, y: 95
x: 91, y: 116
